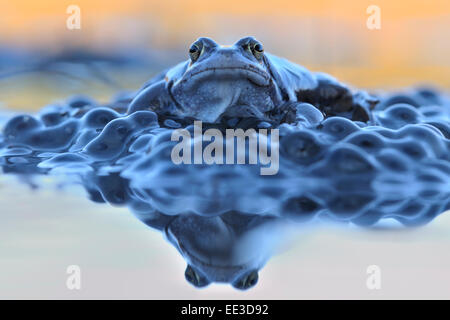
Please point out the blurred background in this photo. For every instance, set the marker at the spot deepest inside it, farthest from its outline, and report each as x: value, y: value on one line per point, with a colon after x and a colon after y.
x: 123, y: 43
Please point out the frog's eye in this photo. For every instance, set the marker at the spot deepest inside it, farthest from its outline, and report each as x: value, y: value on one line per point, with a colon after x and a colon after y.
x: 255, y: 48
x: 258, y: 48
x: 194, y: 51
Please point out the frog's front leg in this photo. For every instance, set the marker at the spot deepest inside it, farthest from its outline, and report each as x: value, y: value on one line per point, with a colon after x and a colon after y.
x: 298, y: 113
x: 363, y: 104
x: 155, y: 97
x: 335, y: 99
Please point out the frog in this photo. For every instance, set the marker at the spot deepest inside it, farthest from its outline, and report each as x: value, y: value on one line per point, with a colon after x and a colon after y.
x: 244, y: 81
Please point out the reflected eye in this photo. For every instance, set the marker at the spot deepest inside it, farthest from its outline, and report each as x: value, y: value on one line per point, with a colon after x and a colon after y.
x: 195, y: 278
x: 247, y: 281
x: 194, y: 51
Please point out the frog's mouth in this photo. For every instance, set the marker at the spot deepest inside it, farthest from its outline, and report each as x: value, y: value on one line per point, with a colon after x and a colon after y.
x: 251, y: 73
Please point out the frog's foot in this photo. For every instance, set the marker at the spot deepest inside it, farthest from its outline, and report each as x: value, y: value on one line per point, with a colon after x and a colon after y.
x: 303, y: 114
x: 363, y: 104
x: 155, y: 97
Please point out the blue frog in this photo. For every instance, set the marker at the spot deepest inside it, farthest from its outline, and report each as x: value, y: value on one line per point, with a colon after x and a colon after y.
x: 243, y: 80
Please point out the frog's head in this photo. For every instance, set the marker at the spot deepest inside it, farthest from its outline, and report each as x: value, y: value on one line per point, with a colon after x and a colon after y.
x: 230, y: 248
x: 223, y: 80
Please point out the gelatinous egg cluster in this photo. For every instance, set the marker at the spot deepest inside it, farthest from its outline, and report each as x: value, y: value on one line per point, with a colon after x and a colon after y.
x: 334, y: 169
x: 344, y: 170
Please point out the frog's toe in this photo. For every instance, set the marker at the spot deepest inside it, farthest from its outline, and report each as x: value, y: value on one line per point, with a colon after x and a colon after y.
x: 308, y: 114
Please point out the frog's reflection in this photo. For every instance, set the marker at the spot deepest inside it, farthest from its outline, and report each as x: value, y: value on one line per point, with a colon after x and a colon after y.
x: 222, y: 248
x: 231, y: 247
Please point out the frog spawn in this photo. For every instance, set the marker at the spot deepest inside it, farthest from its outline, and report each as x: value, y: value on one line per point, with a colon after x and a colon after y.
x: 335, y: 169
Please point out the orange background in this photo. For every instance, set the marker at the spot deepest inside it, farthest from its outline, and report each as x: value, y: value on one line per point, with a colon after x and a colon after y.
x: 412, y: 46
